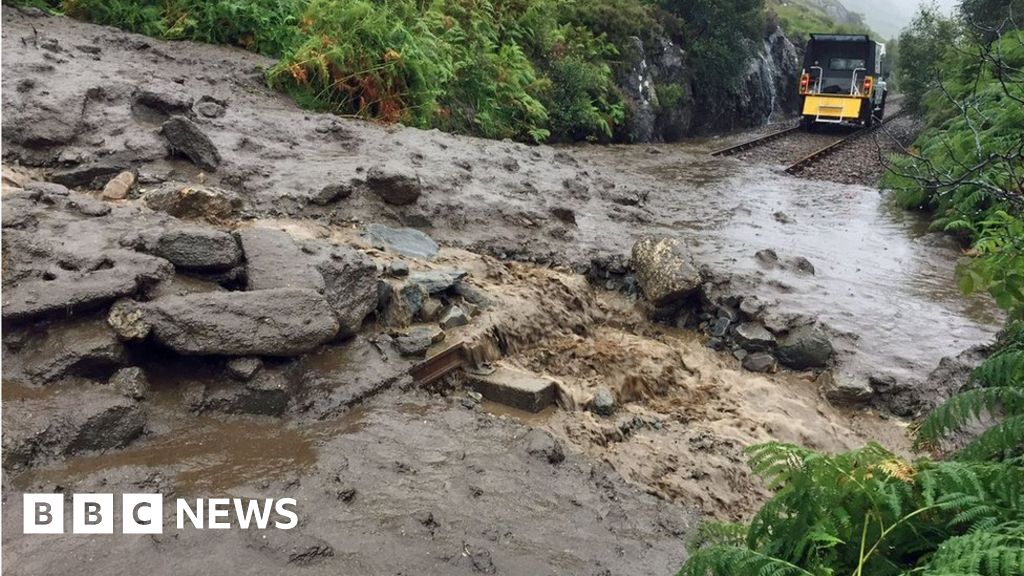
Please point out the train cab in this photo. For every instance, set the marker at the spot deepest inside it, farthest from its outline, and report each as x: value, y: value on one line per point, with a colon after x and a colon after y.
x: 841, y: 82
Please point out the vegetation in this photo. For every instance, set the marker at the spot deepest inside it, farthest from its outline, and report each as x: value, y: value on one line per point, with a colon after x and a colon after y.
x: 800, y: 18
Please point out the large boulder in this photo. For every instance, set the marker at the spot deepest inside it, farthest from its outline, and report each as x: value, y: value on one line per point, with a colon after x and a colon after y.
x: 665, y: 270
x: 272, y: 260
x: 395, y: 184
x: 77, y: 419
x: 83, y: 347
x: 280, y: 322
x: 200, y: 249
x: 753, y: 337
x: 805, y: 347
x: 187, y: 139
x: 184, y: 201
x: 350, y: 286
x: 65, y: 293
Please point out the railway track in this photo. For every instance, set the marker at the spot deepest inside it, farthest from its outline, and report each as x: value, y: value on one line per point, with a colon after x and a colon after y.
x: 810, y: 159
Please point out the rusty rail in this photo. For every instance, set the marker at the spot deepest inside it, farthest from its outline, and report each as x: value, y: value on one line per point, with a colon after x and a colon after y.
x: 755, y: 142
x: 439, y: 365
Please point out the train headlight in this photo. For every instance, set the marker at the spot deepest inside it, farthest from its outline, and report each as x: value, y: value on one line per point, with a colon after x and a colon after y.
x: 805, y: 83
x: 869, y: 83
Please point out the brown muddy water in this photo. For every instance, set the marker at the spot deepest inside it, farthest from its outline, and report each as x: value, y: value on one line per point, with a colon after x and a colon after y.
x: 880, y: 277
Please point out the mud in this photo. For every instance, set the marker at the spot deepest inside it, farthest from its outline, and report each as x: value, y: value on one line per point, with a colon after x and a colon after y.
x: 392, y: 479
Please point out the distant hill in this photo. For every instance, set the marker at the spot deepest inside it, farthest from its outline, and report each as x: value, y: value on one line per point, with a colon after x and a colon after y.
x: 886, y: 17
x: 802, y: 17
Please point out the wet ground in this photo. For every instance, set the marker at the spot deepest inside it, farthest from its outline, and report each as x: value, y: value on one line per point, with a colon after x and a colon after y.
x: 391, y: 479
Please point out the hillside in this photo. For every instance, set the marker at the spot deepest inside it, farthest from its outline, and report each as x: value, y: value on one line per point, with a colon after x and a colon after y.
x: 799, y: 18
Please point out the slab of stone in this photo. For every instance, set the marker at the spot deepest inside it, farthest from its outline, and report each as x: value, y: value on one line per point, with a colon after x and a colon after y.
x: 754, y: 338
x: 665, y: 270
x: 273, y: 260
x: 201, y: 249
x: 436, y: 281
x: 406, y: 241
x: 515, y: 388
x: 186, y: 138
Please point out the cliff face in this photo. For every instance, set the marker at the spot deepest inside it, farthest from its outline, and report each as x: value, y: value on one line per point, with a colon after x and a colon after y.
x: 667, y: 101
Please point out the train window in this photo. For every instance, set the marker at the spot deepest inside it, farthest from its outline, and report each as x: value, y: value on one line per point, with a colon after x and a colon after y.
x: 846, y: 64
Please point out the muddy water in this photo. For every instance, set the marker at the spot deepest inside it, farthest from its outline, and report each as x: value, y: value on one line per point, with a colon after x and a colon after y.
x: 879, y: 275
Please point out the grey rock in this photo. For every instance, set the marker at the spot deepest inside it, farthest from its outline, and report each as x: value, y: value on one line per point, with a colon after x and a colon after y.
x: 186, y: 138
x: 267, y: 393
x: 210, y: 108
x: 273, y: 260
x: 128, y: 320
x: 541, y: 444
x: 406, y: 241
x: 436, y: 281
x: 845, y: 389
x: 130, y: 382
x: 768, y: 257
x: 473, y: 295
x: 430, y: 310
x: 665, y: 270
x: 279, y: 322
x: 398, y: 269
x: 82, y: 347
x: 77, y: 419
x: 719, y: 327
x: 802, y: 265
x: 167, y: 101
x: 243, y: 368
x: 753, y: 337
x: 759, y: 362
x: 331, y: 193
x: 350, y: 286
x: 805, y: 347
x: 47, y: 188
x: 88, y: 206
x: 396, y: 184
x: 200, y: 249
x: 453, y: 317
x: 418, y: 340
x: 72, y: 293
x: 193, y: 201
x: 604, y: 402
x: 92, y: 176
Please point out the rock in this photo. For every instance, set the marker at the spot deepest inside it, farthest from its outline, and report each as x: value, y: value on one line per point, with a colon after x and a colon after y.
x: 802, y: 265
x: 291, y: 546
x: 753, y: 337
x: 267, y: 393
x: 350, y: 286
x: 87, y: 205
x: 418, y: 340
x: 566, y: 215
x: 273, y: 260
x: 209, y: 109
x: 396, y: 184
x: 805, y: 347
x: 405, y: 241
x: 845, y: 389
x: 665, y: 270
x: 199, y: 249
x: 186, y: 138
x: 130, y: 382
x: 119, y: 186
x: 472, y: 294
x: 759, y: 362
x: 453, y: 317
x: 47, y: 188
x: 331, y: 193
x: 279, y: 322
x: 768, y: 257
x: 77, y: 419
x: 719, y: 327
x: 93, y: 176
x: 540, y: 444
x: 243, y: 368
x: 513, y: 387
x: 128, y: 320
x: 604, y: 402
x: 398, y: 269
x: 167, y: 101
x: 403, y: 303
x: 430, y: 310
x: 194, y: 201
x: 436, y: 281
x: 73, y: 293
x: 82, y: 347
x: 782, y: 218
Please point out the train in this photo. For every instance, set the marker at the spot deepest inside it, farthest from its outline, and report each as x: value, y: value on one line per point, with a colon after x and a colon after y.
x: 841, y: 81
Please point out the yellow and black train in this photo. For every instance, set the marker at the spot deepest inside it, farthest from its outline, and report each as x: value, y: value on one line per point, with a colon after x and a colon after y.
x: 842, y: 80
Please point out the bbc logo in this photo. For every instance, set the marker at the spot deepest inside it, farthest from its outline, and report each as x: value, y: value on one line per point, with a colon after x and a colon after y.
x: 93, y: 513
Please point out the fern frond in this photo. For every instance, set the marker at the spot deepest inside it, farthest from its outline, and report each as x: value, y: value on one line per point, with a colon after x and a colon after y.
x: 1002, y: 440
x: 966, y: 407
x: 997, y: 551
x: 1005, y: 368
x: 738, y: 561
